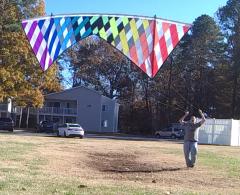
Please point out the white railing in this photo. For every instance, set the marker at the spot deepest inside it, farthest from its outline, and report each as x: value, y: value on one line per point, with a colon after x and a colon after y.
x: 3, y: 107
x: 54, y: 111
x: 44, y: 110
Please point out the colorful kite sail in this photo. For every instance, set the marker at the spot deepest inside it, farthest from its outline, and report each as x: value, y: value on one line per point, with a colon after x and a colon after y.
x: 145, y: 41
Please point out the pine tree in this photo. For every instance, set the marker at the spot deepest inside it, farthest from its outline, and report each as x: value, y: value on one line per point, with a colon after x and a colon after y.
x: 229, y: 19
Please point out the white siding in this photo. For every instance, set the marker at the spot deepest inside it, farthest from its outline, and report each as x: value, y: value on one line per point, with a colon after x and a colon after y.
x: 89, y: 108
x: 109, y: 115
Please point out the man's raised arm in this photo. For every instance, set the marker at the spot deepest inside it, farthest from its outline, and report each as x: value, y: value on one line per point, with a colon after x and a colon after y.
x: 181, y: 120
x: 203, y: 117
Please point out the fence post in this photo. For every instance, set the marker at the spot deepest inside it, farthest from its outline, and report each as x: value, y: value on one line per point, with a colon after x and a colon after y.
x: 238, y: 133
x: 20, y: 118
x: 27, y: 116
x: 213, y: 129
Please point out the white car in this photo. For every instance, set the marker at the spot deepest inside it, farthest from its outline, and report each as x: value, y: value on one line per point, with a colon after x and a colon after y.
x: 70, y: 130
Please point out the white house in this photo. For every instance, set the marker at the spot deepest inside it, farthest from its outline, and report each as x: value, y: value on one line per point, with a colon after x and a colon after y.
x: 87, y: 107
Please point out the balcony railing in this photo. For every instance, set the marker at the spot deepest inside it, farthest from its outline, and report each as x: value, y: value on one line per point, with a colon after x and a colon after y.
x: 54, y: 111
x: 49, y: 111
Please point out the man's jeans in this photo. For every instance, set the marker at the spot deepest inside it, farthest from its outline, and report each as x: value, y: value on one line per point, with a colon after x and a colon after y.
x: 190, y: 152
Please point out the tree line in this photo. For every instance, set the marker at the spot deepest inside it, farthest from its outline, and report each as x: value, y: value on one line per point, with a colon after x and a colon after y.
x: 20, y: 76
x: 202, y: 72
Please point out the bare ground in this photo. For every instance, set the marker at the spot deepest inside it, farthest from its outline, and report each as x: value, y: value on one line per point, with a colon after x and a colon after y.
x: 150, y: 164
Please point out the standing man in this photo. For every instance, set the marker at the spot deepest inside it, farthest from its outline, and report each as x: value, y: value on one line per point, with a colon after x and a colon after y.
x: 191, y: 137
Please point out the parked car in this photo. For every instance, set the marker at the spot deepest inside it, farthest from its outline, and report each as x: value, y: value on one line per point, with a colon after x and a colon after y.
x: 70, y: 130
x: 6, y: 124
x: 46, y: 126
x: 170, y: 132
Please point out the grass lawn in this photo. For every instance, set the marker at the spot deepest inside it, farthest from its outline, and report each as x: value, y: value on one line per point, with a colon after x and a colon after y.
x: 31, y: 164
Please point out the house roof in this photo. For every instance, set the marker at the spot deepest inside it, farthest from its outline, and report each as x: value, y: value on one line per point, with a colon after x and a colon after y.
x: 73, y: 88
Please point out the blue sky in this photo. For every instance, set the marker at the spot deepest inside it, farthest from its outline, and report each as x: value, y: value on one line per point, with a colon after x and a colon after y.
x: 184, y: 10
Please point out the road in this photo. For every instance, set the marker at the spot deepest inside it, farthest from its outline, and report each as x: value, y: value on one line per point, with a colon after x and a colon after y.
x: 92, y: 135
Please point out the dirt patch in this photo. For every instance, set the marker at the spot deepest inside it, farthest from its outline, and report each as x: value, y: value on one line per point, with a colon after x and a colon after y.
x: 124, y: 163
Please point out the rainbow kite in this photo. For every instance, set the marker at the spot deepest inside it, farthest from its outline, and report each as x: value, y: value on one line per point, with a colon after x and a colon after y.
x: 145, y: 41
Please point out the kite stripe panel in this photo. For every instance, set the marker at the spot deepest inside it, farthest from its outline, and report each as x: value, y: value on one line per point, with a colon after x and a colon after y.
x: 146, y: 42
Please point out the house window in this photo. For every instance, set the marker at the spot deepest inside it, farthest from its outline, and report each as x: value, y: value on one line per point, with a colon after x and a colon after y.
x: 104, y: 107
x: 104, y: 123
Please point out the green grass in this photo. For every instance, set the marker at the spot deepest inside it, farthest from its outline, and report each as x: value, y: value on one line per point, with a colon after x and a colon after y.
x: 21, y: 172
x: 227, y: 164
x: 22, y: 175
x: 17, y: 171
x: 14, y: 150
x: 49, y: 185
x: 82, y: 189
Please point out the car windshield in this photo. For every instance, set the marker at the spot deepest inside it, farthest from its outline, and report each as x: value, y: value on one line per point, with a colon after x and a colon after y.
x: 74, y: 125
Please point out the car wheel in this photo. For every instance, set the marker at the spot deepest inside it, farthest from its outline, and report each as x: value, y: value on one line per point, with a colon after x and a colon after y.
x: 81, y: 137
x: 158, y: 136
x: 65, y: 134
x: 173, y: 136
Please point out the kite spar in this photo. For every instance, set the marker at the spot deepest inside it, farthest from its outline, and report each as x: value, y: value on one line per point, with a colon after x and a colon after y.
x: 145, y: 41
